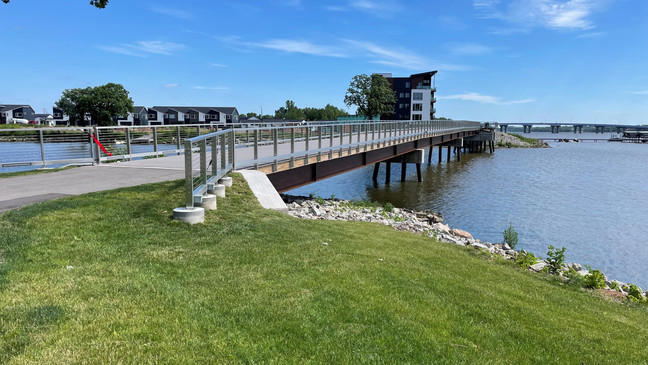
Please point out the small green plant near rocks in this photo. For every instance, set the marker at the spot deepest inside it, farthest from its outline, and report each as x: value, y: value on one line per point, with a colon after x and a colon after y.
x: 388, y: 207
x: 634, y: 294
x: 332, y: 196
x: 525, y: 259
x: 615, y: 286
x: 555, y: 259
x: 511, y: 236
x: 575, y: 278
x: 595, y: 280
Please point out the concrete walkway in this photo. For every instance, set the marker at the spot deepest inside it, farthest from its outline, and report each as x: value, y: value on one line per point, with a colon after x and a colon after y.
x: 19, y: 191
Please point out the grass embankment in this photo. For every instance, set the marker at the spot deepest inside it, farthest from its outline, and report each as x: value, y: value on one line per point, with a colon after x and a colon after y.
x: 109, y: 277
x: 531, y: 141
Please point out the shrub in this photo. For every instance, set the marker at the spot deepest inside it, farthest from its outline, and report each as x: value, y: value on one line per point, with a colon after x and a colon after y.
x: 575, y: 278
x: 634, y: 293
x: 555, y: 259
x: 595, y: 280
x: 615, y: 286
x: 525, y: 259
x: 511, y: 236
x: 320, y: 200
x: 389, y: 207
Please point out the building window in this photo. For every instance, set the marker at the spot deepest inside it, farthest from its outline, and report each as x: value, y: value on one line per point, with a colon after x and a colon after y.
x: 417, y: 96
x: 407, y: 84
x: 172, y: 116
x: 400, y: 106
x: 152, y: 116
x: 407, y: 105
x: 417, y: 107
x: 401, y: 95
x: 19, y: 115
x: 57, y: 115
x: 416, y: 116
x: 407, y: 95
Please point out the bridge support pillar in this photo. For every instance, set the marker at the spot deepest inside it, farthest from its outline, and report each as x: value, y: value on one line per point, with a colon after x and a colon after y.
x: 449, y: 153
x: 440, y: 153
x: 580, y: 129
x: 375, y: 172
x: 430, y: 155
x: 387, y: 173
x: 403, y: 171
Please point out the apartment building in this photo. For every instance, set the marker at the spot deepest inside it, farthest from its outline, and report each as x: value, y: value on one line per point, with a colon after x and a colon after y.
x: 414, y: 96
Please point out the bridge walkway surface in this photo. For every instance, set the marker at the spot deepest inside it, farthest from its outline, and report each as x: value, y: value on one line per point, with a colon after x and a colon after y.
x: 19, y: 191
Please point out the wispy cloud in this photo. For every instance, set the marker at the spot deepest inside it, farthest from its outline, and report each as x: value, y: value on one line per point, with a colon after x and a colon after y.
x: 484, y: 99
x: 640, y: 92
x: 469, y: 49
x: 401, y: 58
x: 171, y: 85
x: 143, y: 48
x: 215, y: 88
x: 299, y: 46
x: 175, y: 13
x: 552, y: 14
x: 591, y: 35
x: 380, y: 8
x: 219, y: 65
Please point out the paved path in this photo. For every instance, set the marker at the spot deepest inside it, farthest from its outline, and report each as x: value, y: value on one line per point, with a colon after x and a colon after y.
x: 19, y: 191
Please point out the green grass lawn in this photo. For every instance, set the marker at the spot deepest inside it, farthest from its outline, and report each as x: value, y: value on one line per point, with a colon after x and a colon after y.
x: 531, y: 141
x: 111, y: 278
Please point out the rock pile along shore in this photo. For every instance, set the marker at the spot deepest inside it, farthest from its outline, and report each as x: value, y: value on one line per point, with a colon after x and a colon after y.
x: 425, y: 223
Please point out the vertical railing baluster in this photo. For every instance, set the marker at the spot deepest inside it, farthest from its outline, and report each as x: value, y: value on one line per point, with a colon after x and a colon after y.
x: 292, y: 147
x: 188, y: 176
x: 341, y: 137
x: 307, y: 145
x: 331, y: 142
x: 128, y: 143
x: 256, y: 149
x: 155, y: 140
x: 233, y: 148
x: 214, y: 155
x: 177, y: 139
x: 275, y: 133
x: 319, y: 143
x: 203, y: 162
x: 223, y: 159
x: 42, y: 146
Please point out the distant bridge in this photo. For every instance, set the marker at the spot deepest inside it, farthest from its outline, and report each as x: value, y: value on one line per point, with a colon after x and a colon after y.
x: 577, y: 127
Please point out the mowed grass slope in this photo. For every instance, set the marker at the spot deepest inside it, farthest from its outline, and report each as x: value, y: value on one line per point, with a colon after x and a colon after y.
x: 109, y: 277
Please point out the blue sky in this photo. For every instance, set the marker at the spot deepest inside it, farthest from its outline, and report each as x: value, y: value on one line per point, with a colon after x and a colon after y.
x: 516, y: 60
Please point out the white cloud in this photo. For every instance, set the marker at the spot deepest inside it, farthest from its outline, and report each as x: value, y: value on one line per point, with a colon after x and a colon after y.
x: 176, y: 13
x: 219, y: 65
x: 144, y: 48
x: 469, y: 49
x: 591, y: 35
x: 640, y: 92
x: 171, y: 85
x: 484, y: 99
x: 215, y: 88
x: 553, y: 14
x: 299, y: 46
x: 399, y: 57
x: 381, y: 8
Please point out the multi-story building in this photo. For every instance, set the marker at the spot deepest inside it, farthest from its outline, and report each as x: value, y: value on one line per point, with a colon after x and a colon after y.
x: 414, y: 96
x: 10, y: 112
x: 139, y: 116
x: 192, y: 114
x: 60, y: 118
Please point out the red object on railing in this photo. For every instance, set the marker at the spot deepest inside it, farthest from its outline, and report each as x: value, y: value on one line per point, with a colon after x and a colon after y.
x: 100, y: 145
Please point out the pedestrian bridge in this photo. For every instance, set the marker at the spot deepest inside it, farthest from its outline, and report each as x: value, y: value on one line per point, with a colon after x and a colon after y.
x: 293, y: 156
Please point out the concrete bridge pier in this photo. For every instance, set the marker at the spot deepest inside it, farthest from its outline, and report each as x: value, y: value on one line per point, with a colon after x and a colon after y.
x: 527, y: 128
x: 503, y: 128
x: 416, y: 157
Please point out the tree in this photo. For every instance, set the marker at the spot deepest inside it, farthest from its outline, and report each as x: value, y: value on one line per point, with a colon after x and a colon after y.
x: 102, y: 103
x: 290, y: 112
x: 96, y: 3
x: 372, y: 95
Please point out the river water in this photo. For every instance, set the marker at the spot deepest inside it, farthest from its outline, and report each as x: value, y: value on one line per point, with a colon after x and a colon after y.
x: 588, y: 197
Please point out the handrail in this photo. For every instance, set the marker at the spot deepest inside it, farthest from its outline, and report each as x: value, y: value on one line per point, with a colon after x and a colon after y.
x: 331, y: 138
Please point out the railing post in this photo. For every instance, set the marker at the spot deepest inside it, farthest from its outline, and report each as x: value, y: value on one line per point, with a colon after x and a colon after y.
x: 275, y: 137
x: 256, y: 149
x: 155, y: 140
x: 177, y: 139
x: 97, y: 150
x: 292, y: 147
x: 331, y: 143
x: 188, y: 176
x: 223, y: 152
x: 203, y: 162
x: 91, y: 144
x: 233, y: 149
x: 128, y: 143
x: 341, y: 138
x: 214, y: 155
x: 307, y: 144
x: 42, y: 145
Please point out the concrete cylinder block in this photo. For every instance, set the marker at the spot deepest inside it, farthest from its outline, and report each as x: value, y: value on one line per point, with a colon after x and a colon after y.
x: 218, y: 190
x: 227, y: 181
x: 208, y: 202
x: 189, y: 215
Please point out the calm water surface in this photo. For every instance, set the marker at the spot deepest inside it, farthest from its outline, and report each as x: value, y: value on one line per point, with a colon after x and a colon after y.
x: 588, y: 197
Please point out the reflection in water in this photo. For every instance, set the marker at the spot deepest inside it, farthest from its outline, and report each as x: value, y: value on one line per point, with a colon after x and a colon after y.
x: 588, y: 197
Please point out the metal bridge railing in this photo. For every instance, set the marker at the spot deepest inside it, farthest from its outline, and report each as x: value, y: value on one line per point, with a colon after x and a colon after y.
x: 214, y: 155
